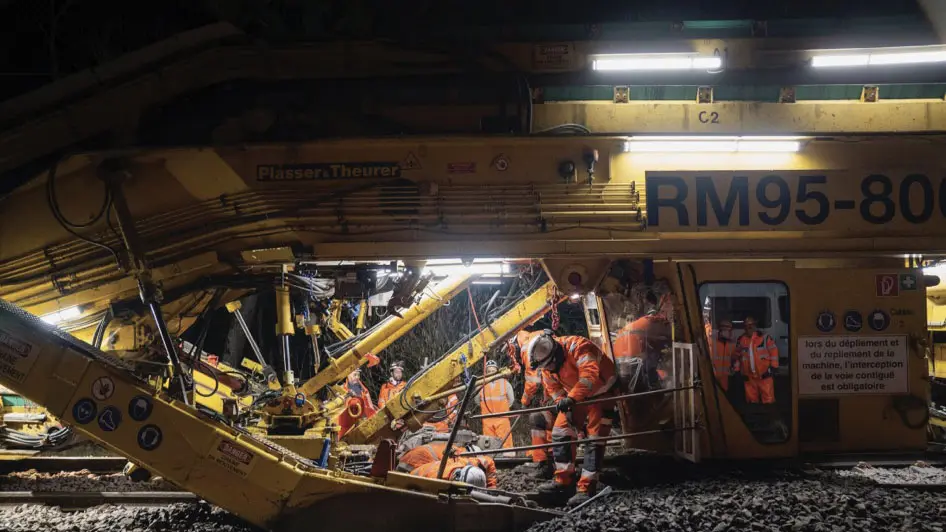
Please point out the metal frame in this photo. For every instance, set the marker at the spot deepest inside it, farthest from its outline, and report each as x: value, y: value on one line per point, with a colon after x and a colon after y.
x: 685, y: 413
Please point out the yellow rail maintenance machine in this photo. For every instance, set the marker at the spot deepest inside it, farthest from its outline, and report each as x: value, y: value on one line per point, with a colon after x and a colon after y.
x: 805, y: 249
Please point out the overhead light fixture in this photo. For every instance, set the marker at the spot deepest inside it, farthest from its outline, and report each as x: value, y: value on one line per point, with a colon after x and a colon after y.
x: 713, y: 144
x: 879, y: 56
x: 624, y: 62
x: 442, y: 267
x: 67, y: 314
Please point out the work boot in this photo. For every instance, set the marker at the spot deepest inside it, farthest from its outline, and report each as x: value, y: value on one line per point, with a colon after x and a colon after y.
x: 543, y: 470
x: 554, y: 488
x: 579, y: 498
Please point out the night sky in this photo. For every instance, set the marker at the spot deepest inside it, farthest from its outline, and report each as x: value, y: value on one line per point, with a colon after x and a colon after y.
x: 44, y: 40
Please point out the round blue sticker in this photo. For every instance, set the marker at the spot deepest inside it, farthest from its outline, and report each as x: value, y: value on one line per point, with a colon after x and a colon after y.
x: 84, y: 411
x: 853, y: 321
x: 825, y: 322
x: 149, y: 437
x: 140, y: 407
x: 110, y: 418
x: 878, y: 320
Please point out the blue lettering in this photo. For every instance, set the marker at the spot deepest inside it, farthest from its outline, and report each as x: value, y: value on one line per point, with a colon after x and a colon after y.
x: 655, y: 202
x: 738, y: 196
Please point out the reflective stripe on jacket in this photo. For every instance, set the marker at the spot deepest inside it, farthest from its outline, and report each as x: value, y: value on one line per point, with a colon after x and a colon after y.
x: 586, y: 372
x: 755, y: 355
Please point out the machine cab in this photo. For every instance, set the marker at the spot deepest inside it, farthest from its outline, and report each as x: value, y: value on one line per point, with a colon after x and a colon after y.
x: 820, y: 357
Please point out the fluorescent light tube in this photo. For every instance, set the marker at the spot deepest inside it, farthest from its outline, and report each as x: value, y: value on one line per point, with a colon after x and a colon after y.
x: 656, y: 62
x: 62, y: 315
x: 878, y: 56
x: 713, y: 144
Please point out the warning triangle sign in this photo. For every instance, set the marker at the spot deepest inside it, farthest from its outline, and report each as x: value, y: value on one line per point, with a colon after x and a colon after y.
x: 411, y: 162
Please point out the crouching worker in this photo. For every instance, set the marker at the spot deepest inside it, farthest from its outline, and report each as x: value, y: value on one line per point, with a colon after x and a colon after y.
x: 457, y: 470
x: 573, y: 370
x: 431, y: 453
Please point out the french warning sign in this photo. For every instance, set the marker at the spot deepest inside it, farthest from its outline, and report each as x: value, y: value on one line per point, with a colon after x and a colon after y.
x: 233, y: 457
x: 834, y: 365
x: 16, y: 355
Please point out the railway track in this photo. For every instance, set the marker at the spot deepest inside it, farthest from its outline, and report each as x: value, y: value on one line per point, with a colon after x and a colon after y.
x: 83, y: 500
x: 52, y: 464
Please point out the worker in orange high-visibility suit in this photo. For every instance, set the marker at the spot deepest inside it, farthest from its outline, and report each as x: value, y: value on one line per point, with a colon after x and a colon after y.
x: 433, y: 452
x: 540, y: 422
x: 457, y: 470
x: 496, y: 396
x: 448, y: 416
x: 394, y: 385
x: 723, y: 353
x: 573, y: 370
x: 356, y: 392
x: 643, y: 339
x: 756, y: 357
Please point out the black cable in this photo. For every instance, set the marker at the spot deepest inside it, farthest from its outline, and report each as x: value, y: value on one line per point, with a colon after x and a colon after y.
x: 903, y: 404
x: 564, y: 129
x: 99, y: 335
x: 212, y: 374
x: 66, y: 224
x: 57, y: 211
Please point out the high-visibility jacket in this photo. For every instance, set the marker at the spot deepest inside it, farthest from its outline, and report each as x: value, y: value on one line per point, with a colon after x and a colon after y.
x: 634, y: 340
x: 755, y: 355
x: 586, y: 372
x: 446, y: 423
x: 496, y: 396
x: 723, y: 353
x: 389, y: 390
x: 533, y: 379
x: 433, y: 453
x: 368, y: 407
x: 429, y: 470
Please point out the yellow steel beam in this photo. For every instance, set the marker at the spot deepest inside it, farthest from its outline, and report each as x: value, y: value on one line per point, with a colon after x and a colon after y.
x: 443, y: 372
x: 676, y: 117
x: 334, y: 321
x: 264, y: 484
x: 386, y: 332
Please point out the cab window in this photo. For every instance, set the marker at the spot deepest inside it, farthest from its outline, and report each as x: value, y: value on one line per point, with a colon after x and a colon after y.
x: 746, y: 326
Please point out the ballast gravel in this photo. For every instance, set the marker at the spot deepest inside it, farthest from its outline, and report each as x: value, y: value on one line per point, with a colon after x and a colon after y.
x: 77, y: 481
x: 191, y: 517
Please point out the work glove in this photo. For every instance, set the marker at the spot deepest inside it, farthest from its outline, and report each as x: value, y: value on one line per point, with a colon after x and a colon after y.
x: 564, y: 405
x: 768, y: 373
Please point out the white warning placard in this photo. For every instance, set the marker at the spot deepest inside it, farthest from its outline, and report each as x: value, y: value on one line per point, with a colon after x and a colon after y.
x: 17, y: 355
x: 833, y: 365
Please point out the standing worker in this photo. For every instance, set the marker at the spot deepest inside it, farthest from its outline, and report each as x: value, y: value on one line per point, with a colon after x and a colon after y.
x: 723, y: 353
x: 394, y: 385
x: 497, y: 396
x: 358, y: 403
x: 540, y: 422
x: 756, y: 357
x: 573, y: 370
x: 448, y: 416
x: 641, y: 341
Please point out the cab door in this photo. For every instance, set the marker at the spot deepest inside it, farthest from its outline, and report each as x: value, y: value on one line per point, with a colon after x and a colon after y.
x: 738, y: 315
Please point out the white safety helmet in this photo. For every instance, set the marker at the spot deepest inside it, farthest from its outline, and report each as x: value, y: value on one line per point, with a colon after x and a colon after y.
x: 539, y: 350
x: 469, y: 475
x: 492, y: 364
